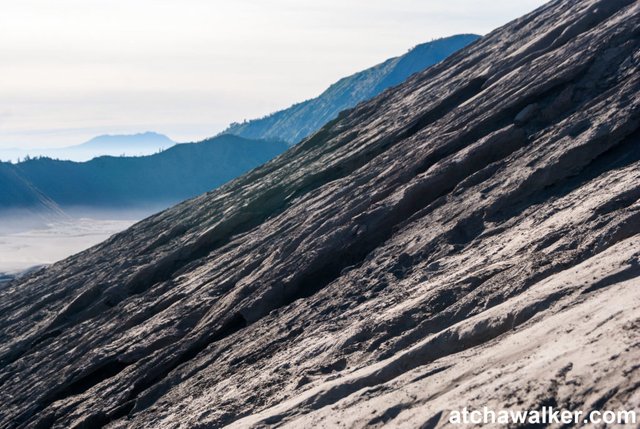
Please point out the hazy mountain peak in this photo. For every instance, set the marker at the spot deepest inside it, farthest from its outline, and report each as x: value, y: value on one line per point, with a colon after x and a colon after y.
x: 145, y: 143
x: 138, y: 140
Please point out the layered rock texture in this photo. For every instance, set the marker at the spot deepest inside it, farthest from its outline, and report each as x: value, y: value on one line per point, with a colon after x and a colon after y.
x: 468, y: 239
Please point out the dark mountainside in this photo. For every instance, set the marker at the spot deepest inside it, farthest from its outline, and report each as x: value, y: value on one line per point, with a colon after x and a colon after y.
x: 468, y: 239
x: 178, y: 173
x: 16, y: 191
x: 303, y: 119
x: 20, y: 196
x: 139, y: 144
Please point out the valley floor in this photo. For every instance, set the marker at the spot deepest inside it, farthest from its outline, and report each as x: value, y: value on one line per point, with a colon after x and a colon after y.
x: 22, y: 250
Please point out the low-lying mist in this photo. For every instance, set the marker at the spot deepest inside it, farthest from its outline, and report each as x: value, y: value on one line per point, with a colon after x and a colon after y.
x: 29, y: 240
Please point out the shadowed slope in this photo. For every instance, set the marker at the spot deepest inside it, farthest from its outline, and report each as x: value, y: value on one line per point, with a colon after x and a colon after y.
x: 19, y: 197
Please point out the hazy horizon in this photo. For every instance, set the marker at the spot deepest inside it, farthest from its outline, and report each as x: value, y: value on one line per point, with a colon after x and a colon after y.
x: 74, y: 70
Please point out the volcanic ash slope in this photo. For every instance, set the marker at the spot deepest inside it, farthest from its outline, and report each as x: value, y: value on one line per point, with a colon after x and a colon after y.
x: 470, y: 238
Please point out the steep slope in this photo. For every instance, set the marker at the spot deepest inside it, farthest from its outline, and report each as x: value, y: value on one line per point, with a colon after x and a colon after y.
x: 16, y: 191
x: 19, y: 196
x: 469, y: 238
x: 181, y: 172
x: 303, y: 119
x: 139, y: 144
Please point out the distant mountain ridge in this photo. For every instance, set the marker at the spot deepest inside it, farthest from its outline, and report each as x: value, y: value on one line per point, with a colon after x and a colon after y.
x: 96, y: 174
x: 303, y: 119
x: 147, y: 141
x: 140, y: 144
x: 162, y: 179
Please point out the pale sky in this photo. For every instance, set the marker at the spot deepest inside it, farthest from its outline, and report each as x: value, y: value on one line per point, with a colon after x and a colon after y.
x: 73, y: 69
